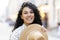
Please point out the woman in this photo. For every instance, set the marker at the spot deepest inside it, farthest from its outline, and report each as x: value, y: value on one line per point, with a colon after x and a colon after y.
x: 28, y: 14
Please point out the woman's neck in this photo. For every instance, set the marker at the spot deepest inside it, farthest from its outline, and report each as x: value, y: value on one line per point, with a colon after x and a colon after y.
x: 26, y: 24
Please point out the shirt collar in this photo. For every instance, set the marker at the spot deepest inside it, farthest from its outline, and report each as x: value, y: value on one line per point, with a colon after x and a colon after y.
x: 24, y: 26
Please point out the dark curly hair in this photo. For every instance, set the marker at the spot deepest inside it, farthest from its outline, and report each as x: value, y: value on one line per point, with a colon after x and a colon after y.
x: 37, y: 19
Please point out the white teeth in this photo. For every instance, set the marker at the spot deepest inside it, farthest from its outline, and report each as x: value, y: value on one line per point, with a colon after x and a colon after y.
x: 29, y: 19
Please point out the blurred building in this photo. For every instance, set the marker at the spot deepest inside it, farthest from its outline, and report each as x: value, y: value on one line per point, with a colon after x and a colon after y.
x: 51, y: 7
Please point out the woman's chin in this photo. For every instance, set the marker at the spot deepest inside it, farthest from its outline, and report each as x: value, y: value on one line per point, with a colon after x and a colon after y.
x: 29, y: 22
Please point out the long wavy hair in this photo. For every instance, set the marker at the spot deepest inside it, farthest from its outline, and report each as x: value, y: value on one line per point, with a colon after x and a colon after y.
x: 37, y: 19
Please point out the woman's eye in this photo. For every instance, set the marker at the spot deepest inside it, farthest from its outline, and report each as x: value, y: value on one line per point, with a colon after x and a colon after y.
x: 31, y: 12
x: 25, y: 13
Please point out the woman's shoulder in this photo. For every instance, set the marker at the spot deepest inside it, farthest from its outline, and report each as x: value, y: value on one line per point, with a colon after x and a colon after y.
x: 15, y: 34
x: 18, y: 29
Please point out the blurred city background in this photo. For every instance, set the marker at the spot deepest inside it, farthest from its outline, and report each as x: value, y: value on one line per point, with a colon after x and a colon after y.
x: 49, y: 11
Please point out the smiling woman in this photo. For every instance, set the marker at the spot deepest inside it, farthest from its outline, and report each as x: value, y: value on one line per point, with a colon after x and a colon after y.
x: 28, y: 14
x: 28, y: 11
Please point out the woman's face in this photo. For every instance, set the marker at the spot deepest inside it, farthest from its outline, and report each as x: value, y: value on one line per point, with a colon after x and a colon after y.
x: 27, y: 15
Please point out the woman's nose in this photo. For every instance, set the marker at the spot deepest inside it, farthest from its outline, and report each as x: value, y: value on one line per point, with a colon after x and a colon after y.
x: 29, y: 14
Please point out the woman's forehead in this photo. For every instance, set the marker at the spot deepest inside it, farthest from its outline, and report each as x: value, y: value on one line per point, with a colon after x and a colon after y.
x: 27, y: 9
